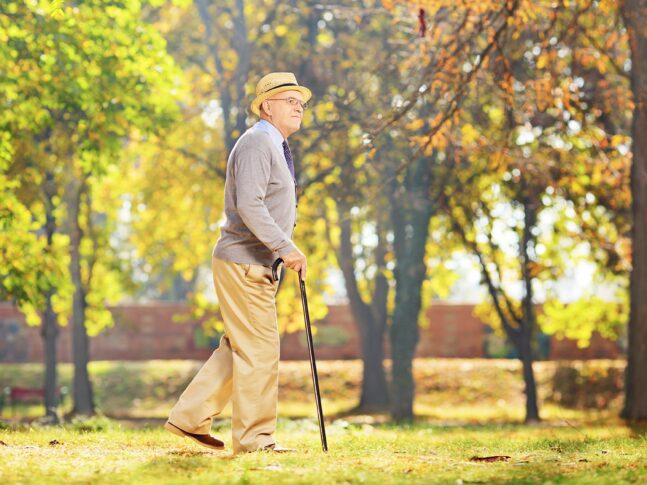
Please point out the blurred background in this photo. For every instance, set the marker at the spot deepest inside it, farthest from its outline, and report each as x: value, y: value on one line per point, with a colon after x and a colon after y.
x: 465, y: 203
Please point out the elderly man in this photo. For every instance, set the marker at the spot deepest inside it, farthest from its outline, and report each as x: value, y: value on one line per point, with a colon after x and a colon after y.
x: 260, y: 205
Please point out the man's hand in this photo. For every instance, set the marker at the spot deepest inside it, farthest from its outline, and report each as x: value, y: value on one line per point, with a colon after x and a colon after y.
x: 296, y: 260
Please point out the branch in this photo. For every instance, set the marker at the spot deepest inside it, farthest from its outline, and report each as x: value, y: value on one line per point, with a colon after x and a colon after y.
x: 347, y: 265
x: 619, y: 70
x: 495, y: 292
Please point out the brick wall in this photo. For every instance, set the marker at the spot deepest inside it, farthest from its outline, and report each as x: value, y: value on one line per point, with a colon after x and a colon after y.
x: 150, y: 331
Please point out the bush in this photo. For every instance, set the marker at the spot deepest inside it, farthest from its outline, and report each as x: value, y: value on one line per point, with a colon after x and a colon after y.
x: 588, y: 384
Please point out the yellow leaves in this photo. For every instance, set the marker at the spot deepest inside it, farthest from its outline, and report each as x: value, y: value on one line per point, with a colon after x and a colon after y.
x: 56, y: 9
x: 288, y: 304
x: 617, y: 140
x: 535, y: 269
x: 608, y: 6
x: 201, y: 300
x: 281, y: 30
x: 97, y: 318
x: 496, y: 114
x: 32, y: 318
x: 62, y: 303
x: 623, y: 247
x: 415, y: 124
x: 543, y: 93
x: 439, y: 132
x: 388, y: 4
x: 355, y: 134
x: 325, y: 38
x: 100, y: 117
x: 580, y: 319
x: 187, y: 274
x: 469, y: 134
x: 542, y: 60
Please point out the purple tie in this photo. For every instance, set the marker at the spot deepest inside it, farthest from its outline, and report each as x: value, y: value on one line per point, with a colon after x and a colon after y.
x: 288, y: 158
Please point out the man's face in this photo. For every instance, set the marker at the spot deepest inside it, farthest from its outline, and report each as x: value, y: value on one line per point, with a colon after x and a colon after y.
x: 285, y: 116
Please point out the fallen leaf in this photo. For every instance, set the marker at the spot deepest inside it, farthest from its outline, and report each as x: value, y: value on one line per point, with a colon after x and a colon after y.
x: 490, y: 458
x: 2, y: 443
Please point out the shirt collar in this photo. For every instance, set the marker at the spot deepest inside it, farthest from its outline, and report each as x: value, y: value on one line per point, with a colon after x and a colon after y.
x: 275, y: 134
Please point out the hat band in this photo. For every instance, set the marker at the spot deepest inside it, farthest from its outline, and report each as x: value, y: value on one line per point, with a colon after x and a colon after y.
x: 279, y: 86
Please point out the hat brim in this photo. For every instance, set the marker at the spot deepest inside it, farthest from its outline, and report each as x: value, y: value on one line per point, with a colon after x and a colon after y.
x: 256, y: 104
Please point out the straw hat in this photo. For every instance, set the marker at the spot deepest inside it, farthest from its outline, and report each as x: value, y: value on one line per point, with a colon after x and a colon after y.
x: 277, y: 82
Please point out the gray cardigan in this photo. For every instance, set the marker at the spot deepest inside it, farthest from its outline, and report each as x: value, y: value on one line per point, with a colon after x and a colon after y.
x: 260, y: 203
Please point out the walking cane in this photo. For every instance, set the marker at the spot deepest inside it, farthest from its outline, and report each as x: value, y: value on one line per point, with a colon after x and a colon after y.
x: 311, y: 351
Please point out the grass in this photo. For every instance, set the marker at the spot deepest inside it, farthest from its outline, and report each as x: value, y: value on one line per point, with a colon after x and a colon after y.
x: 465, y: 408
x: 450, y: 390
x: 360, y: 452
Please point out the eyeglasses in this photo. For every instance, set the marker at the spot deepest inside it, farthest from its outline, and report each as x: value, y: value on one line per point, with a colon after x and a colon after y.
x: 291, y: 101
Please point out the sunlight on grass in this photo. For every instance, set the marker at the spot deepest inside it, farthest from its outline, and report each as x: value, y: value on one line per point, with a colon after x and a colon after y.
x: 418, y: 453
x: 460, y: 415
x: 457, y: 390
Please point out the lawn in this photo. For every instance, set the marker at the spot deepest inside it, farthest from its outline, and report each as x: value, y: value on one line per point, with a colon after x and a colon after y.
x: 360, y: 452
x: 450, y: 390
x: 467, y: 409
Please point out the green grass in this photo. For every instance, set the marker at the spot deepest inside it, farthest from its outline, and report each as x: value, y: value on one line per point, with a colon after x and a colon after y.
x: 449, y: 390
x: 359, y: 453
x: 465, y: 408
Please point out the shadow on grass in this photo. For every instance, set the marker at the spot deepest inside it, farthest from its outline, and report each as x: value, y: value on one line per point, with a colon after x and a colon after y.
x: 638, y: 428
x: 174, y: 464
x: 186, y: 453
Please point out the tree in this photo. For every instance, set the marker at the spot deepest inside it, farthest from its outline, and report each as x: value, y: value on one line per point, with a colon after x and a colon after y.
x: 459, y: 36
x: 33, y: 262
x: 633, y: 12
x: 174, y: 192
x: 339, y: 170
x: 105, y: 75
x: 518, y: 43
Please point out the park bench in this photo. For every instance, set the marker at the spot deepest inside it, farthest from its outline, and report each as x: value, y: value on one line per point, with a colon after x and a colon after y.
x: 15, y: 395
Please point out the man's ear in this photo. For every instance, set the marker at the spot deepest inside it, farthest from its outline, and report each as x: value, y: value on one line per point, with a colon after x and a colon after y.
x: 266, y: 106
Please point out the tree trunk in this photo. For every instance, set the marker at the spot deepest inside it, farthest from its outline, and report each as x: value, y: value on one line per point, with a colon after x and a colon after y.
x: 526, y: 356
x: 374, y: 396
x: 83, y: 402
x: 521, y: 337
x: 404, y: 338
x: 370, y: 321
x: 405, y: 333
x: 519, y: 328
x: 528, y: 324
x: 634, y: 13
x: 49, y: 330
x: 411, y: 212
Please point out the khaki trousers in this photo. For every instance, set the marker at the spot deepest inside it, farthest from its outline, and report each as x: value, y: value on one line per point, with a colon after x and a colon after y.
x: 244, y: 368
